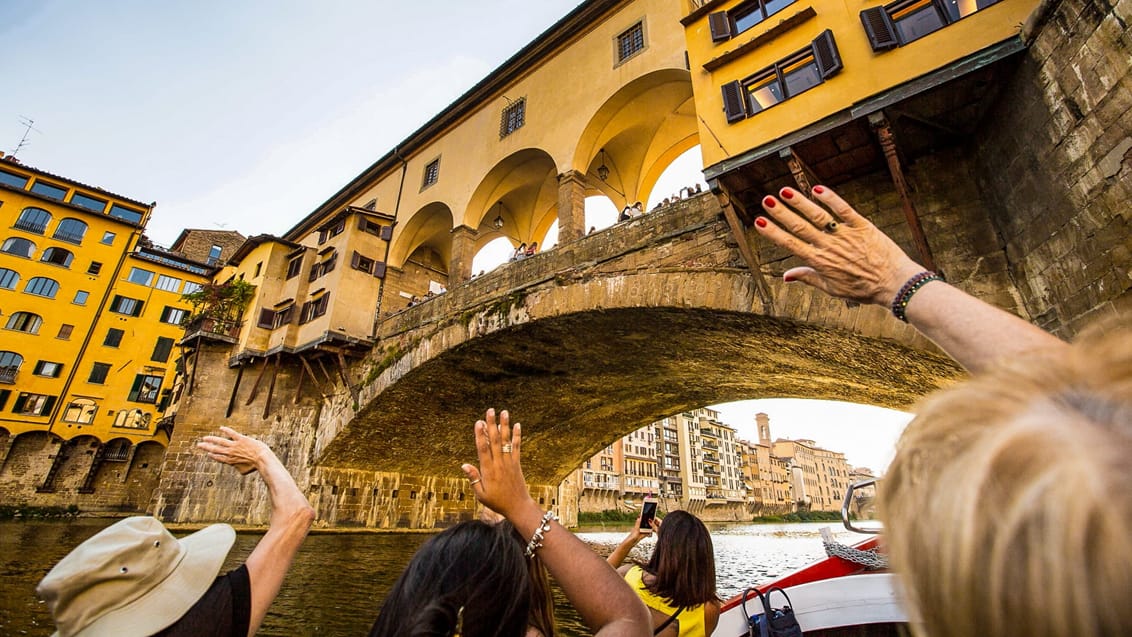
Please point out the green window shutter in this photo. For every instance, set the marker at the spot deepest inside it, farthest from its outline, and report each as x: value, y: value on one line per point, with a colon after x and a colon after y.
x: 137, y: 386
x: 162, y: 349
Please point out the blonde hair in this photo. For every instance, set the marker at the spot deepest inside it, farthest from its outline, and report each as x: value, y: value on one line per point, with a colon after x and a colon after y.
x: 1008, y: 507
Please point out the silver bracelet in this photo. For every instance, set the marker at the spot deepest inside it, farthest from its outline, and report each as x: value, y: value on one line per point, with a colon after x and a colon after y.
x: 543, y: 528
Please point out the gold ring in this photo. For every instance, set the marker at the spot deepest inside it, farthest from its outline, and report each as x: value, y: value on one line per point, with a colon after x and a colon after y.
x: 506, y: 447
x: 474, y: 482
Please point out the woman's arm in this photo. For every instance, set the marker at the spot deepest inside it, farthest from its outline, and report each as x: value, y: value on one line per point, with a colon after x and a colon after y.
x: 848, y: 257
x: 626, y: 546
x: 603, y: 599
x: 291, y: 515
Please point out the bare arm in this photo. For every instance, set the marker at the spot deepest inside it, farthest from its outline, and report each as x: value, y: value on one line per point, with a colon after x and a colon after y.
x: 626, y: 546
x: 291, y: 515
x: 603, y: 599
x: 854, y: 260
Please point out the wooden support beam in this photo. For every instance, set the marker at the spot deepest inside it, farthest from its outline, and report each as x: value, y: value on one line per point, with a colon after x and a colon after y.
x: 271, y: 385
x: 345, y: 378
x: 314, y: 379
x: 762, y: 289
x: 299, y: 385
x: 888, y: 144
x: 255, y: 385
x: 329, y: 378
x: 803, y: 177
x: 235, y: 389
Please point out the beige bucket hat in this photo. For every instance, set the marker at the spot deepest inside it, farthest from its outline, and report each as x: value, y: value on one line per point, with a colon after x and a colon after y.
x: 133, y: 578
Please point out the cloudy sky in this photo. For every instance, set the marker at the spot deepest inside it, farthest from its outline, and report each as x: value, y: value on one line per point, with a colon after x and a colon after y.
x: 247, y: 115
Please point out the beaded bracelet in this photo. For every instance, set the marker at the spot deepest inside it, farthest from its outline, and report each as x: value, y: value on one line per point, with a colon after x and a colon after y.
x: 900, y: 303
x: 543, y: 527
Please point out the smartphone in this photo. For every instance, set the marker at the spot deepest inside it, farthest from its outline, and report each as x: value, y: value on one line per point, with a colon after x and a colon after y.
x: 648, y: 512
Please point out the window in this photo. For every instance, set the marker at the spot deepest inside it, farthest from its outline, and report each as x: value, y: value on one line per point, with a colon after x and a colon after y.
x: 162, y: 349
x: 9, y: 364
x: 88, y: 202
x: 9, y: 279
x: 140, y: 276
x: 24, y: 322
x: 899, y: 23
x: 359, y: 262
x: 168, y: 283
x: 214, y: 255
x: 283, y: 316
x: 95, y: 268
x: 18, y: 246
x: 42, y: 286
x: 314, y: 309
x: 725, y: 25
x: 258, y: 269
x: 331, y: 230
x: 33, y: 220
x: 33, y: 404
x: 329, y: 261
x: 131, y: 419
x: 630, y: 42
x: 125, y: 214
x: 58, y: 256
x: 371, y: 204
x: 785, y: 79
x: 48, y: 369
x: 374, y: 228
x: 65, y: 331
x: 294, y: 266
x: 173, y: 315
x: 113, y: 337
x: 13, y: 180
x: 108, y: 237
x: 266, y: 319
x: 431, y: 174
x: 81, y: 411
x: 126, y: 305
x: 49, y: 190
x: 513, y: 117
x: 145, y: 389
x: 70, y: 230
x: 98, y: 373
x: 191, y: 287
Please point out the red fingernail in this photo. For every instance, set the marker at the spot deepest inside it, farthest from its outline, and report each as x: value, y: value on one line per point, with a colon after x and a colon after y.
x: 760, y: 222
x: 769, y: 202
x: 818, y: 190
x: 787, y: 193
x: 789, y: 278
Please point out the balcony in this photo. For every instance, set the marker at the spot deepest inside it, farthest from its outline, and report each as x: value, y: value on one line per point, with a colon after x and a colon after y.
x: 30, y: 226
x: 8, y: 375
x: 212, y: 328
x: 69, y: 237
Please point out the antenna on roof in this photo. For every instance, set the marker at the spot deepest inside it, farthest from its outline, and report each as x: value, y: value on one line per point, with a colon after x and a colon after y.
x: 28, y: 128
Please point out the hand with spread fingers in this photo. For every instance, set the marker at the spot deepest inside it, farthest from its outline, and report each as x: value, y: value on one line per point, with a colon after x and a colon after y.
x: 845, y: 254
x: 244, y: 453
x: 498, y: 482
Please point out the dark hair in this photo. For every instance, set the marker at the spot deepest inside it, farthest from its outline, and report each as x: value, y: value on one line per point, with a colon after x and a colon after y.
x: 683, y: 561
x: 542, y: 597
x: 475, y: 566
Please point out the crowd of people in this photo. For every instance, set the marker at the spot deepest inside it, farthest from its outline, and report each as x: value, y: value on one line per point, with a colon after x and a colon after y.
x: 1006, y: 505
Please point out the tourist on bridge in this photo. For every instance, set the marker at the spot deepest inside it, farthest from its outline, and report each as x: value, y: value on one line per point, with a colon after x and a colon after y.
x: 520, y: 253
x: 1007, y: 505
x: 135, y: 579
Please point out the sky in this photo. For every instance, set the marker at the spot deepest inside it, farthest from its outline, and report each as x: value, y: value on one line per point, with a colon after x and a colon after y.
x: 247, y: 115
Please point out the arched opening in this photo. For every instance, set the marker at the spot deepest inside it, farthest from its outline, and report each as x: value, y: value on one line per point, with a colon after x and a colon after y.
x: 680, y: 178
x: 492, y: 255
x: 601, y: 213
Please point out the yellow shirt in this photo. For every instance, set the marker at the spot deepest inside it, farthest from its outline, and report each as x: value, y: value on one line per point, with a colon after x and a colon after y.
x: 692, y: 623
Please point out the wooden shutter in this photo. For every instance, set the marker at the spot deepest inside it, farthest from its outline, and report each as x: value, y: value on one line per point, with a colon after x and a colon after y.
x: 164, y: 347
x: 826, y: 55
x: 387, y: 232
x: 21, y: 400
x: 733, y: 101
x: 48, y: 404
x: 135, y: 389
x: 880, y: 29
x: 355, y: 259
x: 720, y: 26
x: 266, y: 318
x: 363, y: 223
x: 379, y: 269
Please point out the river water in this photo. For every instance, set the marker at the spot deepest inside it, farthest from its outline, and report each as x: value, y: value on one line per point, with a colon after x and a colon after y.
x: 339, y: 579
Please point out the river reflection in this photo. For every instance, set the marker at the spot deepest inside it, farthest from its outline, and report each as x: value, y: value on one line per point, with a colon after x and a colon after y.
x: 338, y: 580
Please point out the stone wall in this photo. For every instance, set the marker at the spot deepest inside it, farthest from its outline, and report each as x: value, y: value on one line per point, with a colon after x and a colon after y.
x: 1057, y: 154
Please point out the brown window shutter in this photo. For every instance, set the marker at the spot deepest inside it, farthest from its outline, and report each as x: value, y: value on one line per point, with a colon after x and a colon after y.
x: 880, y: 29
x: 362, y: 223
x: 720, y: 26
x: 355, y: 259
x: 733, y: 105
x: 379, y: 269
x: 266, y: 318
x: 826, y: 55
x: 386, y: 232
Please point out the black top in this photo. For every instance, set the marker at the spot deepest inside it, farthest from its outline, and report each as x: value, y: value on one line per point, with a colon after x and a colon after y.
x: 223, y: 611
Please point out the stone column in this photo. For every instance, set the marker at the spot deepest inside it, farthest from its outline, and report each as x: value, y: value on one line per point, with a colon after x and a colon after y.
x: 463, y: 251
x: 571, y: 206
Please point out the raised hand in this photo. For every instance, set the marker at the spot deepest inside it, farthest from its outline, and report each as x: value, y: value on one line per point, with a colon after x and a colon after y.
x: 244, y: 453
x: 498, y: 481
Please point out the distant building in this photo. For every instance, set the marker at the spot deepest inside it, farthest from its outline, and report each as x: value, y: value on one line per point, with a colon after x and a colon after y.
x: 819, y: 476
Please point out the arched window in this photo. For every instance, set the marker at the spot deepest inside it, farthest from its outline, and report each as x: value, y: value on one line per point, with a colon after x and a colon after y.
x: 24, y: 322
x: 58, y: 256
x: 18, y: 246
x: 33, y: 220
x: 80, y: 410
x: 70, y: 230
x: 42, y: 286
x: 9, y: 364
x: 132, y: 419
x: 8, y: 279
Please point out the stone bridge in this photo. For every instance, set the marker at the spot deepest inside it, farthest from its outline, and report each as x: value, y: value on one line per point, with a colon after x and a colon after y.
x: 596, y: 338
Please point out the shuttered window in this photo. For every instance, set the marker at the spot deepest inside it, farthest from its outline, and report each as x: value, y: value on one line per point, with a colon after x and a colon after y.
x: 784, y: 79
x: 162, y: 349
x: 899, y: 23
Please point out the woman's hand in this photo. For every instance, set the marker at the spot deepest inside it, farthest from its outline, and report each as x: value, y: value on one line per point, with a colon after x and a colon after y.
x: 498, y: 482
x: 244, y: 453
x: 845, y: 254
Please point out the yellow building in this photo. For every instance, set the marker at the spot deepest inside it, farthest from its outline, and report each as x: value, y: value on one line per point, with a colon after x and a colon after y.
x: 821, y: 476
x: 90, y: 315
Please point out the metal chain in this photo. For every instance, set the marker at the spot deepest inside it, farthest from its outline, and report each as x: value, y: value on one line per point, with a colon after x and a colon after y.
x: 871, y: 559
